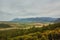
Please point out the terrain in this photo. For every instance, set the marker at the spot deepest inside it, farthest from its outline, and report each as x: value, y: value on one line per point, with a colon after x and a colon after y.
x: 29, y: 31
x: 15, y: 25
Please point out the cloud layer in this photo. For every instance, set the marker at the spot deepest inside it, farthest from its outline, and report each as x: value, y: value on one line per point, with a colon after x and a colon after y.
x: 10, y: 9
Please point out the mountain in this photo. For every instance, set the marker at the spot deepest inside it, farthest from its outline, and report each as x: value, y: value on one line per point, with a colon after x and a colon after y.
x: 58, y: 20
x: 37, y: 19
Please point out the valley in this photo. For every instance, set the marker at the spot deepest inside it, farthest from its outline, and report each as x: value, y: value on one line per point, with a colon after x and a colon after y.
x: 29, y: 31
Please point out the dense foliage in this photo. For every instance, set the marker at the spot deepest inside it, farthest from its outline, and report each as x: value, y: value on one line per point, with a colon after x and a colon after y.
x: 44, y: 33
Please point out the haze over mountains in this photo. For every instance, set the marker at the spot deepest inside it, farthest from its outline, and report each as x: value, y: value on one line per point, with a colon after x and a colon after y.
x: 37, y: 19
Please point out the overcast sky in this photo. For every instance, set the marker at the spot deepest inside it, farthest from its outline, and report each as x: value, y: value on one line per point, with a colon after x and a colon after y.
x: 10, y: 9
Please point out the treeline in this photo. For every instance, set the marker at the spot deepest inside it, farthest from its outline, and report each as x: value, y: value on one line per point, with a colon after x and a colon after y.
x: 45, y: 33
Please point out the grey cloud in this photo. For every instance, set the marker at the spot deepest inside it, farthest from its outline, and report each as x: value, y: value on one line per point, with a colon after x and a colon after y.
x: 10, y: 9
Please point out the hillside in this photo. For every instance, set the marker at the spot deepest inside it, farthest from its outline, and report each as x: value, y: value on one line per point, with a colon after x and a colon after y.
x: 5, y: 26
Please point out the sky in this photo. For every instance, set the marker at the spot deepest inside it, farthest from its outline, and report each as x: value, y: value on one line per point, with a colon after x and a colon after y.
x: 10, y: 9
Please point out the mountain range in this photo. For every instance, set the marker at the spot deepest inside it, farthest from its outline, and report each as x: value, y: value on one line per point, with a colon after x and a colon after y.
x: 58, y: 20
x: 37, y: 19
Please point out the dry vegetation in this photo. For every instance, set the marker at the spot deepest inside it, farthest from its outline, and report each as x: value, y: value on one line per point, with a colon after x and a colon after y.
x: 27, y: 31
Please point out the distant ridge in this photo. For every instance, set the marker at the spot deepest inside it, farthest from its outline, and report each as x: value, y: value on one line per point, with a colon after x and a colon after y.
x: 58, y: 20
x: 37, y: 19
